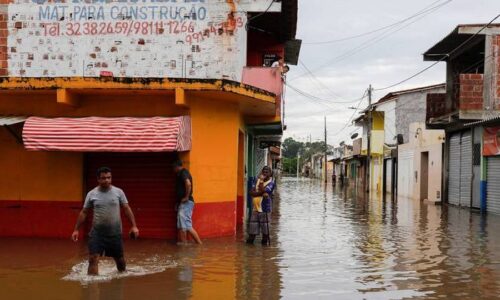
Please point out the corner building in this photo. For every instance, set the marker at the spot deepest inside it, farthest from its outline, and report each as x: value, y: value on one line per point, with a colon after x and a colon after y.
x: 134, y: 94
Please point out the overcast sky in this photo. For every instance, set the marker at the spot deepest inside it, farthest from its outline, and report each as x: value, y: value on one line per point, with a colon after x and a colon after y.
x: 385, y: 57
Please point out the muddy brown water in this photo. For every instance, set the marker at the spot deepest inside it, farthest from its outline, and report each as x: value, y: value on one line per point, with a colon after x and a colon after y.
x: 327, y: 243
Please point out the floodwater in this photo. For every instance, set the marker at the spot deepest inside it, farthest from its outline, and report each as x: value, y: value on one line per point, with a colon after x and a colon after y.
x: 327, y: 243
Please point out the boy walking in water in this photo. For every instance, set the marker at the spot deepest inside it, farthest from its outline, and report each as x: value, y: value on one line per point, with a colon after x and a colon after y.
x: 262, y: 202
x: 185, y: 203
x: 106, y: 235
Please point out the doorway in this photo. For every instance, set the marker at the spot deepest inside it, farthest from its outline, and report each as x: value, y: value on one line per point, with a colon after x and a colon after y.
x: 424, y: 176
x: 148, y: 181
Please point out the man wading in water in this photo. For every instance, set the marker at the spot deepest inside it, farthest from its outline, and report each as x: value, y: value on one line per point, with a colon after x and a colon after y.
x: 261, y: 212
x: 106, y: 234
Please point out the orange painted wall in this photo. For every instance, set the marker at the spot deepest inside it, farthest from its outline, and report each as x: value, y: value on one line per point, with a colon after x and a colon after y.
x: 38, y: 175
x: 213, y: 160
x: 134, y: 105
x: 58, y: 176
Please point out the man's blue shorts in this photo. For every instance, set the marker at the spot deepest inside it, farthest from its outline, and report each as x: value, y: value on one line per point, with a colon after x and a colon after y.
x: 184, y: 215
x: 111, y: 246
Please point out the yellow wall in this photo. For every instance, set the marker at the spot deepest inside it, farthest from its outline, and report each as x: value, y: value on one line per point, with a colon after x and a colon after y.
x: 214, y: 155
x: 378, y: 120
x: 27, y: 175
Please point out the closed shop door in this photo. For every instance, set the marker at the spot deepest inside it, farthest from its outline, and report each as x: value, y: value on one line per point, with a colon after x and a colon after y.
x: 466, y: 169
x: 493, y: 187
x: 149, y: 184
x: 454, y: 170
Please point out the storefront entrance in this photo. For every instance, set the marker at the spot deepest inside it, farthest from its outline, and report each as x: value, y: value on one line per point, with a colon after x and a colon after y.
x: 148, y: 181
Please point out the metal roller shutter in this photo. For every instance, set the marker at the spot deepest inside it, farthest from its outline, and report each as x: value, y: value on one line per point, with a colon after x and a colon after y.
x: 493, y: 187
x: 466, y: 169
x: 149, y: 184
x: 454, y: 170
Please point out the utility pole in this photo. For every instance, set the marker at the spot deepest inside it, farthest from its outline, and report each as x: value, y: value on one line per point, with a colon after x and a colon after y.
x: 369, y: 133
x: 298, y: 164
x: 326, y: 158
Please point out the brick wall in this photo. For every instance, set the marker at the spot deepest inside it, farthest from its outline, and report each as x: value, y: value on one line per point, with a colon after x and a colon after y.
x: 471, y: 91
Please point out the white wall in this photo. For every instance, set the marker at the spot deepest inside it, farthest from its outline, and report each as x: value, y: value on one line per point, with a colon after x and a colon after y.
x: 128, y: 39
x: 406, y: 170
x: 409, y: 159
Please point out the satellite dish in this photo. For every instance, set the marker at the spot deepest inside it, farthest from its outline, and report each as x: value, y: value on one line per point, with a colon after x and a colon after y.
x: 354, y: 136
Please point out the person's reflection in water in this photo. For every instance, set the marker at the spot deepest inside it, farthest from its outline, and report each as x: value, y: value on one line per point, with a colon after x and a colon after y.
x: 186, y: 259
x: 112, y: 290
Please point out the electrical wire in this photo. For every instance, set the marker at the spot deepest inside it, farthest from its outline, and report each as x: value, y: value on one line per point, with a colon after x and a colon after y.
x: 445, y: 56
x: 324, y: 101
x: 370, y: 42
x: 376, y: 30
x: 352, y: 116
x: 322, y: 85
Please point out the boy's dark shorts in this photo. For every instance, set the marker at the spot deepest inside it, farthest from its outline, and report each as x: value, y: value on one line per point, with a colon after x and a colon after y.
x: 110, y: 246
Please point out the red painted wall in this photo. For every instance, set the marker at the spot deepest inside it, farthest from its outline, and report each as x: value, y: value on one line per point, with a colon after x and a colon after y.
x: 57, y: 219
x: 259, y: 44
x: 38, y: 218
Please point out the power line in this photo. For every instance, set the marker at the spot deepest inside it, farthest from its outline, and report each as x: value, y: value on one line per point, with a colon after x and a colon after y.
x: 445, y: 56
x: 322, y: 85
x: 371, y: 42
x: 376, y: 30
x: 316, y: 98
x: 352, y: 116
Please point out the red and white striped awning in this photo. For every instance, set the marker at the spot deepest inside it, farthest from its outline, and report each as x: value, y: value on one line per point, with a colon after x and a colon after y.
x: 96, y: 134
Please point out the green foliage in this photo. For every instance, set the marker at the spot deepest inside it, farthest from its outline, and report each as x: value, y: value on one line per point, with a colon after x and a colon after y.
x: 291, y: 147
x: 290, y: 165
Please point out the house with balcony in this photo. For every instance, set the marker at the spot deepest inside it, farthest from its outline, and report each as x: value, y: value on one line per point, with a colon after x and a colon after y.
x: 469, y: 112
x: 134, y: 94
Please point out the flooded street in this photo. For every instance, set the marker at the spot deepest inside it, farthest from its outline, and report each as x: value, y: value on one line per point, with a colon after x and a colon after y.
x: 327, y: 243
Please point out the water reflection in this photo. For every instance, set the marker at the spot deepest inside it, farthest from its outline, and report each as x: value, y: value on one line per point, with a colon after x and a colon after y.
x: 327, y: 243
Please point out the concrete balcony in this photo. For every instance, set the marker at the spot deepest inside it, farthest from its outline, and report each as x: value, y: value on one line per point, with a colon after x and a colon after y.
x: 265, y: 78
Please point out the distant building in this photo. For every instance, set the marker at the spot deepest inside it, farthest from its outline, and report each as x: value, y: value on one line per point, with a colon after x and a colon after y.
x: 391, y: 119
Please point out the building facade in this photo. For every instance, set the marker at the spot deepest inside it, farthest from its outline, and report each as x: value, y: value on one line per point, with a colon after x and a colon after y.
x: 117, y: 91
x: 467, y: 112
x: 391, y: 126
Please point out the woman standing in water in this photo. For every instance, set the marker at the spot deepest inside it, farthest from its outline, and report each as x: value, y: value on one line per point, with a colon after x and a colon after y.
x: 262, y: 202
